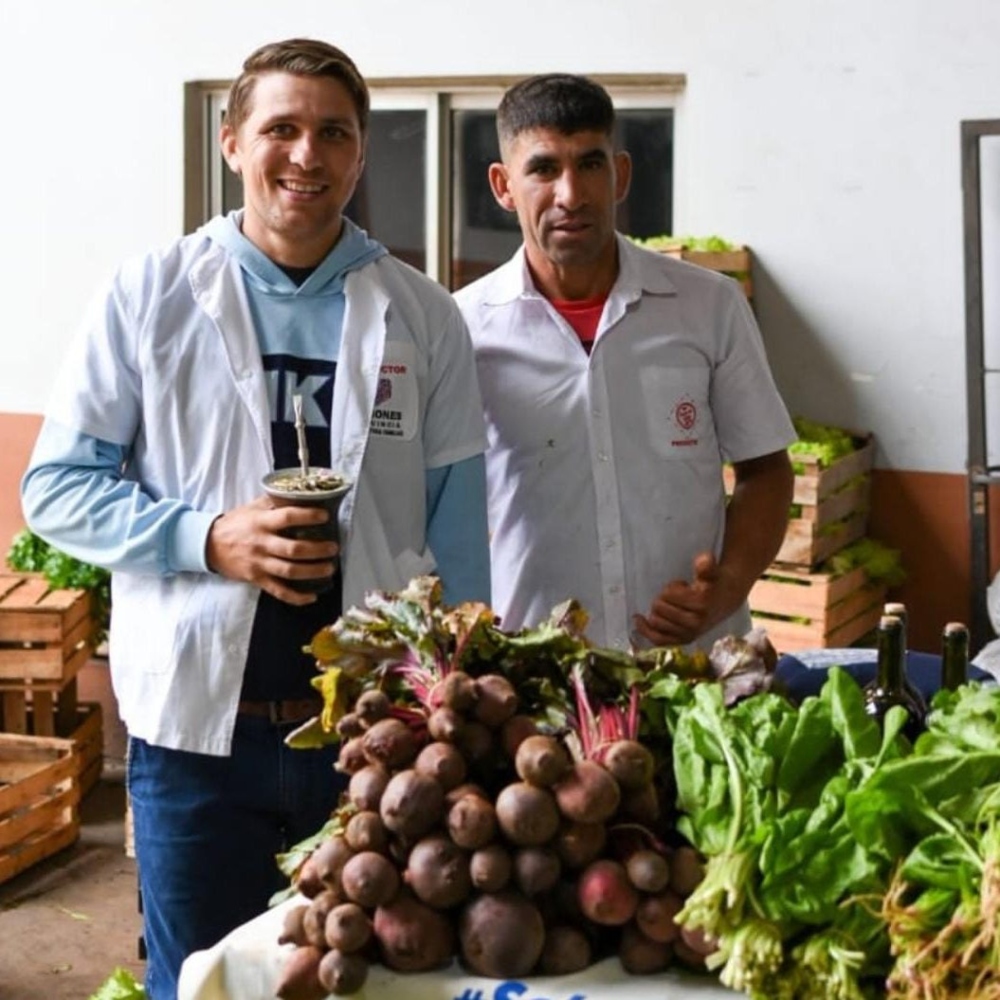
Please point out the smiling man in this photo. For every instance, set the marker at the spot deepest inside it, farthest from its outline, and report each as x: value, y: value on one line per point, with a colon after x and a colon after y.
x: 175, y: 401
x: 616, y: 383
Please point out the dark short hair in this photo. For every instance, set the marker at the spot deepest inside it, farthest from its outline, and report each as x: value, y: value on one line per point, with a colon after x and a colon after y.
x: 560, y: 101
x: 301, y: 57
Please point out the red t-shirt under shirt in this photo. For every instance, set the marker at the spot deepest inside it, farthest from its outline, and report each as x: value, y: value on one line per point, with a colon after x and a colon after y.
x: 583, y: 315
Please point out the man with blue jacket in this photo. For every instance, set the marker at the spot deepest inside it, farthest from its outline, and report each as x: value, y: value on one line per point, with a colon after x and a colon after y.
x: 174, y: 403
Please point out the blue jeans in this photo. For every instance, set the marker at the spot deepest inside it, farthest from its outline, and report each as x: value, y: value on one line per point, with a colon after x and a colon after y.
x: 207, y: 830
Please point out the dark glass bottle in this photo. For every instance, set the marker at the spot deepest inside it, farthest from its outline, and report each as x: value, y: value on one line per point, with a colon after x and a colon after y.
x: 898, y: 610
x: 954, y: 655
x: 887, y: 688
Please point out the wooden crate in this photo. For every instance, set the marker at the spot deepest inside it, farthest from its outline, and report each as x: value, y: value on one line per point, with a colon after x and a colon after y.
x: 833, y: 505
x: 803, y: 610
x: 85, y: 731
x: 735, y: 263
x: 39, y: 796
x: 46, y: 635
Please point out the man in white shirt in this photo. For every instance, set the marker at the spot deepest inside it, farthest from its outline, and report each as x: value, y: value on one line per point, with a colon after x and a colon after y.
x: 616, y: 383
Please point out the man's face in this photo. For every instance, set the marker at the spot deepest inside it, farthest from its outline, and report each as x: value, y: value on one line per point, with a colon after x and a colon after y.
x: 564, y: 189
x: 300, y: 153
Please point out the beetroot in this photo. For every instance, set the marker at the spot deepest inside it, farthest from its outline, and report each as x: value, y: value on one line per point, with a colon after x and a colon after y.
x: 372, y: 706
x: 369, y: 879
x: 514, y: 732
x: 501, y: 935
x: 365, y: 831
x: 366, y: 786
x: 630, y: 764
x: 567, y: 949
x: 314, y: 919
x: 443, y: 762
x: 588, y: 793
x: 472, y: 822
x: 348, y: 928
x: 445, y: 725
x: 438, y: 872
x: 577, y: 844
x: 536, y: 870
x: 413, y: 937
x: 648, y: 870
x: 351, y: 757
x: 640, y: 955
x: 496, y: 700
x: 456, y: 690
x: 490, y: 868
x: 605, y: 893
x: 527, y: 815
x: 299, y: 978
x: 342, y: 974
x: 655, y: 915
x: 541, y: 760
x: 686, y: 870
x: 411, y: 804
x: 389, y: 742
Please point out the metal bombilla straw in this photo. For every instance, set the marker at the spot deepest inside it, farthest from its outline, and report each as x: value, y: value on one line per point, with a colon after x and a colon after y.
x: 300, y: 434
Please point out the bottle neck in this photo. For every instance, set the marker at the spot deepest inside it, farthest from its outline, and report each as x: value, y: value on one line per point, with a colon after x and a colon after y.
x: 889, y: 668
x: 954, y: 655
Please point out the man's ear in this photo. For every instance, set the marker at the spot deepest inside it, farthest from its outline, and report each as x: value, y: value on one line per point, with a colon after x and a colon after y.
x: 499, y: 185
x: 230, y: 147
x: 623, y: 175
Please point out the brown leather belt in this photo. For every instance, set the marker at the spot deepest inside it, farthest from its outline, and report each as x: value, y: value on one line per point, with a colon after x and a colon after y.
x: 295, y: 710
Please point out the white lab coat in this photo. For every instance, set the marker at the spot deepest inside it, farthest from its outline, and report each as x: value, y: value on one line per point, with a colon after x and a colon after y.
x: 173, y: 370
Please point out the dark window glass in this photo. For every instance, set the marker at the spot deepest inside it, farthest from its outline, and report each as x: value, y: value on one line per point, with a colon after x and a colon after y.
x: 390, y: 199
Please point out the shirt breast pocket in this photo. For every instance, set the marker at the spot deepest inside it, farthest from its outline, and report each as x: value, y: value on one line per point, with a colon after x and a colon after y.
x: 676, y: 401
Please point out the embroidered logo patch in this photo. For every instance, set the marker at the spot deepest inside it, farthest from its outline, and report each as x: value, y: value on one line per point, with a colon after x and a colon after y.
x: 685, y: 417
x: 383, y: 392
x: 395, y: 410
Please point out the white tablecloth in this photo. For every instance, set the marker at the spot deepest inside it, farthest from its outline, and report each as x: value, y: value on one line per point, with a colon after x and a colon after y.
x: 246, y: 964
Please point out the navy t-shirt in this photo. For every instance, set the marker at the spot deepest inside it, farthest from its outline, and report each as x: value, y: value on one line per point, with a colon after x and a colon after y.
x: 276, y: 666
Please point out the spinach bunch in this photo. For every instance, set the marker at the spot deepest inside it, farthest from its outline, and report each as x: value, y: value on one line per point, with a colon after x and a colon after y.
x: 762, y: 789
x: 939, y: 811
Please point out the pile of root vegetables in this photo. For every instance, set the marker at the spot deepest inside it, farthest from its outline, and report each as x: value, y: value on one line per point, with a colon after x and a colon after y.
x: 525, y: 803
x: 501, y: 808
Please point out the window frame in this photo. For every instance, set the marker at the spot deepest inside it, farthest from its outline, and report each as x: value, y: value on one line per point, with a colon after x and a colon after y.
x: 438, y: 95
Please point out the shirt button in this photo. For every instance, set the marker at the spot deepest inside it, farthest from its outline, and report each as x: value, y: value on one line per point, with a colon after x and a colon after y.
x: 602, y: 456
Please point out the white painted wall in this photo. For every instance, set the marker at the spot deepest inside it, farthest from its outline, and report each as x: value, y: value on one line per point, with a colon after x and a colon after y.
x: 826, y: 136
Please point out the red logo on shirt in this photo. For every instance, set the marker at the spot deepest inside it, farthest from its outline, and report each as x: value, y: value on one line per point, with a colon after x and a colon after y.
x: 685, y: 414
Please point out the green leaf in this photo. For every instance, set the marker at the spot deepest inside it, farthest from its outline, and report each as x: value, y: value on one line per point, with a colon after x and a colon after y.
x: 120, y: 985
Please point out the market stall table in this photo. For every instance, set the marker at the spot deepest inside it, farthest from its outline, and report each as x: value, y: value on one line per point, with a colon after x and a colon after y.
x: 246, y: 965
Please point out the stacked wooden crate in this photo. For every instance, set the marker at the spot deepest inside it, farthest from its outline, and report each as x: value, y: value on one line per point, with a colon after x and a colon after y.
x: 734, y: 262
x: 39, y: 799
x: 46, y: 636
x: 800, y: 605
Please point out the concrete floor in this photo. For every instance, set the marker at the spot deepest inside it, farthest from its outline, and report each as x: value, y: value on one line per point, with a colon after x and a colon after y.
x: 68, y: 921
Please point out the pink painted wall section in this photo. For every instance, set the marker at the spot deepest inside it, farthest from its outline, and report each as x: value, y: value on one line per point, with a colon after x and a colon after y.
x: 17, y: 437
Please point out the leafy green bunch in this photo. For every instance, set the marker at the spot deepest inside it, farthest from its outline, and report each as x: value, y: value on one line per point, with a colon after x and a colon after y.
x: 762, y: 792
x: 29, y: 553
x: 818, y: 442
